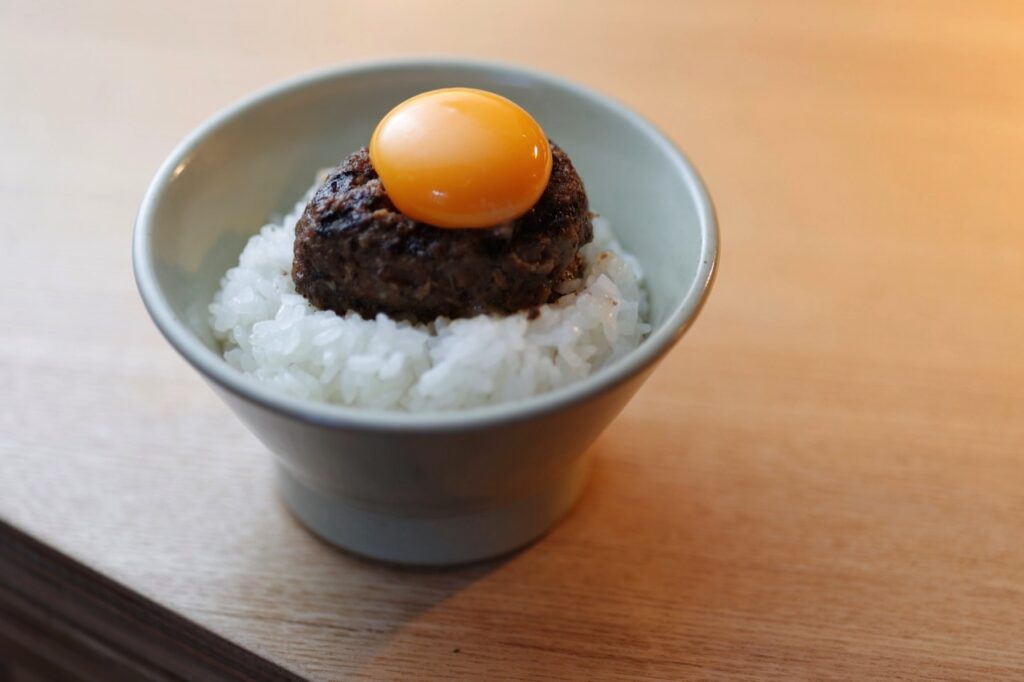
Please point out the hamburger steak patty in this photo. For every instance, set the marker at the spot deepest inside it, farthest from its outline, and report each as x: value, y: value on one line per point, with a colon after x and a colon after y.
x: 354, y: 251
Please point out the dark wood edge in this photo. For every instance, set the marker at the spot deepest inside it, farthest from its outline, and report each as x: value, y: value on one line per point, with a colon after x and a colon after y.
x: 75, y: 623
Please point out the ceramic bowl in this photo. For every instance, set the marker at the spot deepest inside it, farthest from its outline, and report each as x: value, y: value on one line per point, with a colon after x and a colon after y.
x: 438, y: 488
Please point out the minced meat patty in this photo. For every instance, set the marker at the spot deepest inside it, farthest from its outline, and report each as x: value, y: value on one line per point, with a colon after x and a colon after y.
x: 355, y: 251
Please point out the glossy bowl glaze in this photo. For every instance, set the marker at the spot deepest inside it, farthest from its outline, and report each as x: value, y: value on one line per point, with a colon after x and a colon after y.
x: 438, y: 488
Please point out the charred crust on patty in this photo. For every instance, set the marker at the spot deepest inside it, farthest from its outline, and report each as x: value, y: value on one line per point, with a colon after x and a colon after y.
x: 354, y: 251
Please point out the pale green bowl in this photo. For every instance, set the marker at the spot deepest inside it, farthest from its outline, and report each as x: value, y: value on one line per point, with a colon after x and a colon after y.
x: 419, y: 488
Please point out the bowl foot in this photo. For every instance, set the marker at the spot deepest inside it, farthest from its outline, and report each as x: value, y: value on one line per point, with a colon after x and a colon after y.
x: 433, y: 540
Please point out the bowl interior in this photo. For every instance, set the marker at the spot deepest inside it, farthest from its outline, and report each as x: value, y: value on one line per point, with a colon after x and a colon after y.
x: 258, y: 158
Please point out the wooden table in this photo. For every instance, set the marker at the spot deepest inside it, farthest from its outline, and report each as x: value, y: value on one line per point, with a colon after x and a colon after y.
x: 824, y: 481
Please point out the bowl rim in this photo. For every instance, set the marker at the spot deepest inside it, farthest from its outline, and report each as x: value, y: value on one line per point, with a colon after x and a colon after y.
x: 214, y: 368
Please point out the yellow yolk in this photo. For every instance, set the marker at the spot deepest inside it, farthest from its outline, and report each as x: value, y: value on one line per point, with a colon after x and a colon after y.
x: 460, y: 158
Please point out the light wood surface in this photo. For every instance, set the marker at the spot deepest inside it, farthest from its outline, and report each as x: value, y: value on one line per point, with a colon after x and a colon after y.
x: 825, y: 480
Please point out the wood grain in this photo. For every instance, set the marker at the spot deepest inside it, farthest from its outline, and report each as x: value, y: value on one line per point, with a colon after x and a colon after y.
x: 824, y: 481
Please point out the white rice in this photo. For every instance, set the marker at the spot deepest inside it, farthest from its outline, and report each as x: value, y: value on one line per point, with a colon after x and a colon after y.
x: 272, y: 333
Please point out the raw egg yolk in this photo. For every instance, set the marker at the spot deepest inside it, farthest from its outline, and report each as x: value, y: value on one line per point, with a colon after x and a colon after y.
x: 461, y: 158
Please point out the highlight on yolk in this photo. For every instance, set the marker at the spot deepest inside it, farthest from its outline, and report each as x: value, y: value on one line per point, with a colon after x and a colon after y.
x: 461, y: 158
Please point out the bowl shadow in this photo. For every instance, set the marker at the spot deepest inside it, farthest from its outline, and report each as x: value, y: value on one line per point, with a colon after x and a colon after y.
x: 601, y: 593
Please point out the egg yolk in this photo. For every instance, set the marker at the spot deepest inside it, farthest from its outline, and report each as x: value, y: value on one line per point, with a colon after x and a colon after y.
x: 461, y: 158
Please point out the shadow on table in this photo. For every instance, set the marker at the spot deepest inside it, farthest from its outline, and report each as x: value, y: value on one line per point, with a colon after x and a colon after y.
x: 599, y: 585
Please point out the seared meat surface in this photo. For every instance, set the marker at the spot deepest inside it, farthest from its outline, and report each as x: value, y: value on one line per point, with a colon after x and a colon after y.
x: 355, y: 251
